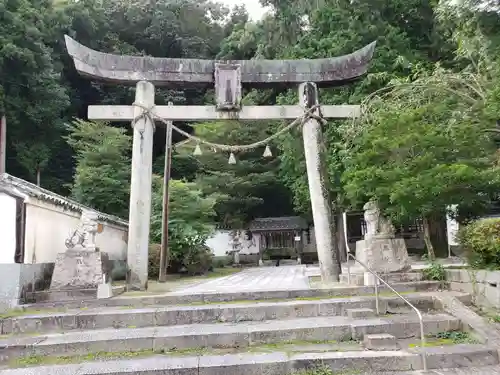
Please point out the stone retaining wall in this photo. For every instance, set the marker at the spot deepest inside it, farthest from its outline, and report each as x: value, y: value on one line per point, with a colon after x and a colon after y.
x: 484, y: 286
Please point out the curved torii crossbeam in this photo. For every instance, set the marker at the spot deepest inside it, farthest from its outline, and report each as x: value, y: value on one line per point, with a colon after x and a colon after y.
x: 163, y: 71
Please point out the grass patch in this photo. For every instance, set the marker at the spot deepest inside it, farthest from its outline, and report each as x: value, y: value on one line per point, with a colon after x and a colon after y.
x: 39, y: 360
x: 31, y: 311
x: 325, y: 370
x: 447, y: 338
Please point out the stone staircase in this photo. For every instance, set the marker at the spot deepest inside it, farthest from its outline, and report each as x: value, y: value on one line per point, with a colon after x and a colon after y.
x: 260, y: 333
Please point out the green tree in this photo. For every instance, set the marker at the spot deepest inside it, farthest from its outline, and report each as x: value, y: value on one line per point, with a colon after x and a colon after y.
x: 191, y: 222
x: 31, y: 92
x: 409, y: 43
x: 424, y: 146
x: 102, y: 174
x: 248, y: 189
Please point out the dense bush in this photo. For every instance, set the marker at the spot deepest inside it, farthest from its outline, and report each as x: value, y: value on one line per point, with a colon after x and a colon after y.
x: 194, y: 261
x: 481, y: 242
x: 154, y: 261
x: 198, y: 260
x: 222, y: 261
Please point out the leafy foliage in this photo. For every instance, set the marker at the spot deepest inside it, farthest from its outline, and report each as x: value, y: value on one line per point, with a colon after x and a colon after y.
x: 191, y: 222
x: 31, y: 94
x: 435, y: 271
x: 481, y: 240
x: 102, y: 171
x: 421, y: 149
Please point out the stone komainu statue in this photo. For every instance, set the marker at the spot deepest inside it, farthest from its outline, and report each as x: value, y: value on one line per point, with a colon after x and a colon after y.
x: 376, y: 224
x: 83, y: 238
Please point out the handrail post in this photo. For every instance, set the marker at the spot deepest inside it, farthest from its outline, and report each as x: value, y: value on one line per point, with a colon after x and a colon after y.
x: 419, y: 314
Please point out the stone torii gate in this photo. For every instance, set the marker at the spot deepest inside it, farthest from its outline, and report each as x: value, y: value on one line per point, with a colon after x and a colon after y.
x: 228, y: 77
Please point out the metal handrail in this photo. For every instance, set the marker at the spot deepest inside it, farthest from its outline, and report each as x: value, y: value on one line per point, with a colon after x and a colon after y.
x: 419, y: 314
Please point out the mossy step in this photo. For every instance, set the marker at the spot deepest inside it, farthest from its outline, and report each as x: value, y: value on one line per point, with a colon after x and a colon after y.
x: 276, y: 363
x: 227, y: 335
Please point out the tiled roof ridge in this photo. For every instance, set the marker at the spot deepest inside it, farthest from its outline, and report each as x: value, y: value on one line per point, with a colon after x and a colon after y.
x: 19, y: 186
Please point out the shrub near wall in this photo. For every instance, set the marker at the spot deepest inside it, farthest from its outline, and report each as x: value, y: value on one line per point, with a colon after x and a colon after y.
x: 481, y: 242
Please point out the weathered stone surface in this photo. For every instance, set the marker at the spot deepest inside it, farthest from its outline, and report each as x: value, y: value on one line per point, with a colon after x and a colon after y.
x: 220, y: 335
x: 205, y: 113
x: 168, y: 71
x: 360, y: 313
x: 469, y: 319
x: 484, y: 286
x: 369, y: 362
x: 383, y: 255
x: 391, y: 278
x: 102, y: 318
x: 104, y: 291
x: 463, y: 355
x: 181, y: 297
x: 404, y: 326
x: 377, y: 225
x: 79, y: 270
x: 381, y: 341
x: 360, y: 361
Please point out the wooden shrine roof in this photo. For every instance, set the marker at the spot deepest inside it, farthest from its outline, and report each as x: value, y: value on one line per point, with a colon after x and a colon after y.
x: 286, y: 223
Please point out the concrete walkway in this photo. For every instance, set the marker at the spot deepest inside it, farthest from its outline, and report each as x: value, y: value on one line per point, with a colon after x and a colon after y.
x: 253, y: 279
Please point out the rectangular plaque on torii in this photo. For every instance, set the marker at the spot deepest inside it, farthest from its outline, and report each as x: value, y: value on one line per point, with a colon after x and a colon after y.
x: 228, y: 77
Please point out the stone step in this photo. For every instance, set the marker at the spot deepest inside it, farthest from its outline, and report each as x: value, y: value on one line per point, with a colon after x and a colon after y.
x: 227, y: 335
x: 280, y: 363
x: 380, y: 341
x: 482, y: 370
x: 360, y: 313
x: 101, y: 318
x: 46, y: 321
x: 391, y: 278
x: 180, y: 298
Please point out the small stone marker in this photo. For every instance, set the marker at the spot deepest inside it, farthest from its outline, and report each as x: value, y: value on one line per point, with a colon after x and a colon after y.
x: 104, y: 290
x: 381, y: 341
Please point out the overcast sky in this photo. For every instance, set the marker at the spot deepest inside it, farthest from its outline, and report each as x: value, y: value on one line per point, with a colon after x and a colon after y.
x: 253, y: 6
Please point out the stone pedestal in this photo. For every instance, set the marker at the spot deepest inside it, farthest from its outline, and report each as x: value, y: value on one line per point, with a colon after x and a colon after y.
x: 383, y: 255
x: 78, y: 273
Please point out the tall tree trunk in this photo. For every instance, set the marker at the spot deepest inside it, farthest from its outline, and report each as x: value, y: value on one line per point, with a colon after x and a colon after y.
x: 427, y: 239
x: 438, y: 233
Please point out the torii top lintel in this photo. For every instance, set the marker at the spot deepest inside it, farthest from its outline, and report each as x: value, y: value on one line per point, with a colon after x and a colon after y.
x: 194, y: 72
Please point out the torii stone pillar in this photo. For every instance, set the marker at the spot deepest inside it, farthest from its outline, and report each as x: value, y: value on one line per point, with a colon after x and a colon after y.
x: 317, y: 178
x: 140, y: 189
